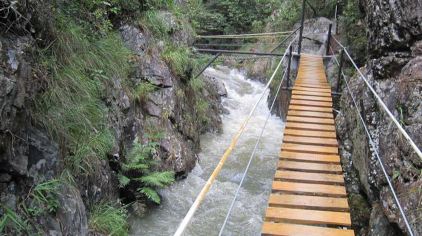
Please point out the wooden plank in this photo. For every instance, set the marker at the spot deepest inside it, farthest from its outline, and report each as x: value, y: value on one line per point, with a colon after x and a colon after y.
x: 310, y: 108
x: 312, y: 157
x: 312, y: 98
x: 300, y: 176
x: 310, y: 133
x: 308, y: 202
x: 305, y: 188
x: 309, y: 93
x: 312, y: 89
x: 310, y: 114
x: 307, y: 126
x: 310, y: 120
x: 283, y: 229
x: 309, y: 84
x: 310, y: 140
x: 311, y: 103
x: 303, y: 216
x: 305, y: 166
x: 309, y: 148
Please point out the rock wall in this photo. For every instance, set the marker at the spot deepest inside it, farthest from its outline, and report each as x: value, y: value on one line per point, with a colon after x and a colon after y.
x: 29, y: 156
x: 394, y: 69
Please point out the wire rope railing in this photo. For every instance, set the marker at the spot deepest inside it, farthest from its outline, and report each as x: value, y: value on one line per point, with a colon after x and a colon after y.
x: 251, y: 157
x: 201, y: 196
x: 372, y: 143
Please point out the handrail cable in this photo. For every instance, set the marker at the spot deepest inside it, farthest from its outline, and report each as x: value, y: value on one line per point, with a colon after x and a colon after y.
x: 392, y: 117
x: 284, y: 40
x: 233, y: 44
x: 377, y: 155
x: 251, y: 158
x: 223, y: 159
x: 271, y: 34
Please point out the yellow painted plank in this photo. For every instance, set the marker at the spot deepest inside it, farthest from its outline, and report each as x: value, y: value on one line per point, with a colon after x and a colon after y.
x: 309, y: 114
x: 308, y: 202
x: 303, y: 216
x: 309, y: 148
x: 310, y: 133
x: 313, y: 157
x: 307, y: 126
x: 320, y: 178
x: 310, y: 140
x: 283, y: 229
x: 313, y: 167
x: 310, y: 120
x: 311, y: 103
x: 310, y: 108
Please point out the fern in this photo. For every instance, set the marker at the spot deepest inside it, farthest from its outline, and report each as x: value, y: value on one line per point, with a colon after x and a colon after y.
x: 123, y: 180
x: 151, y: 194
x: 158, y: 179
x: 139, y: 170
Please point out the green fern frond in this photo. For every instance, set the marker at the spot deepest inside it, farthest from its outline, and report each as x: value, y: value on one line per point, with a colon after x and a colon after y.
x: 123, y: 180
x: 151, y: 194
x: 158, y: 179
x: 135, y: 166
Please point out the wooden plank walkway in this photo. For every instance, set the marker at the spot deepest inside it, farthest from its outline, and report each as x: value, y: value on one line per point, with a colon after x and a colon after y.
x: 308, y: 195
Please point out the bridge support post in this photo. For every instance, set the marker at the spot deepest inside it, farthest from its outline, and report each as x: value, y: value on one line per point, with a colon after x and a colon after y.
x: 340, y: 71
x: 289, y: 66
x: 328, y: 39
x: 301, y: 27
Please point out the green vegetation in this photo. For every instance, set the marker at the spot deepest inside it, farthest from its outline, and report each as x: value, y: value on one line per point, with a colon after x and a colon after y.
x: 180, y: 60
x: 143, y: 89
x: 41, y: 200
x: 71, y: 109
x: 139, y: 170
x: 109, y: 219
x: 354, y: 31
x: 12, y: 220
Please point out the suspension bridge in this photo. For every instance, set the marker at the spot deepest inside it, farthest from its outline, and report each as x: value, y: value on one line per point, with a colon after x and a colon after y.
x: 308, y: 196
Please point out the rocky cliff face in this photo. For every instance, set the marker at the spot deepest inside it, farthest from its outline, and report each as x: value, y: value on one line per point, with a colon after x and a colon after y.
x: 29, y: 155
x: 394, y: 69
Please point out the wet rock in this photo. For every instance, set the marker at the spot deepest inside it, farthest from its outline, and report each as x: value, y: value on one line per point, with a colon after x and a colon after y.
x: 5, y: 177
x: 71, y: 212
x: 392, y: 24
x: 43, y: 158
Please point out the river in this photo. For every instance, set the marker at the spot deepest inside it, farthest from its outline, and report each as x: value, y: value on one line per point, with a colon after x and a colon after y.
x: 247, y: 215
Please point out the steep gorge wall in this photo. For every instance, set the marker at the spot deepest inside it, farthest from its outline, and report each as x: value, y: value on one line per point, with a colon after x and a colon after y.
x: 28, y: 153
x: 394, y: 69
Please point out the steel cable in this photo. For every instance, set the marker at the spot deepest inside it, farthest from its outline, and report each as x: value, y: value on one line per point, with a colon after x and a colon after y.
x: 377, y: 154
x: 250, y: 158
x: 214, y: 174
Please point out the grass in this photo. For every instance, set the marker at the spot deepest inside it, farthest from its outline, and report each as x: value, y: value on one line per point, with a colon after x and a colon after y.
x: 109, y: 219
x: 201, y: 108
x: 71, y: 109
x: 11, y: 219
x: 143, y: 89
x: 180, y: 60
x: 156, y: 24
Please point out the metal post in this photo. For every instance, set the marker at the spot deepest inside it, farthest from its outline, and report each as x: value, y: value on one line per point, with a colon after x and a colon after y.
x: 340, y: 71
x: 336, y: 17
x: 299, y: 48
x: 328, y: 39
x: 288, y: 66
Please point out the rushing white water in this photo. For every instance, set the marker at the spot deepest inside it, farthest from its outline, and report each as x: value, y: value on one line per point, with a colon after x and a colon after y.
x: 247, y: 215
